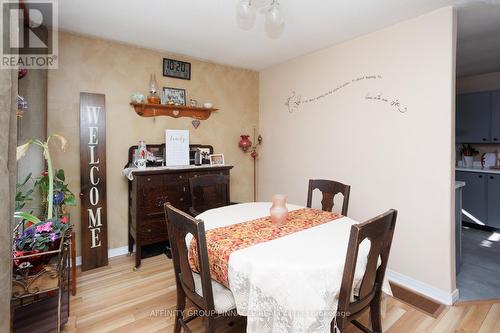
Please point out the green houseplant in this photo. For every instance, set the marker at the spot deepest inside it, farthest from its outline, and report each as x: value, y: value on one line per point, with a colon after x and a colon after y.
x: 31, y: 234
x: 62, y: 195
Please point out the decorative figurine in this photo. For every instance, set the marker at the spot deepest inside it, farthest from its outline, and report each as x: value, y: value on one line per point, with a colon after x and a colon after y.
x: 138, y: 97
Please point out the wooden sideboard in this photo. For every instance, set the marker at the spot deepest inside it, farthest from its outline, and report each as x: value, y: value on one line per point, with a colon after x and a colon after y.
x: 149, y: 191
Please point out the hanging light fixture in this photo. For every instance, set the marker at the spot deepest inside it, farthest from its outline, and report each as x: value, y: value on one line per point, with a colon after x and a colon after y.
x: 246, y: 12
x: 274, y: 20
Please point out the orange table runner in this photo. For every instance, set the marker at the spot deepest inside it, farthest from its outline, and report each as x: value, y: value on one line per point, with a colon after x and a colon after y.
x: 221, y: 242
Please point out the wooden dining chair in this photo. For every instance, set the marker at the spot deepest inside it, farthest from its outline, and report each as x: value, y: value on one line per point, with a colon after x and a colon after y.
x: 329, y: 189
x: 207, y: 192
x: 214, y: 301
x: 352, y: 304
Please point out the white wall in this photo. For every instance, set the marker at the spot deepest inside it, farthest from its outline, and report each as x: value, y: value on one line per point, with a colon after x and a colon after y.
x: 391, y: 159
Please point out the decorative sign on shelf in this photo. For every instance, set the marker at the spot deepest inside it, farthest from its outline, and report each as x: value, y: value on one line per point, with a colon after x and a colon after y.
x: 93, y: 181
x: 295, y: 101
x: 176, y: 69
x: 176, y: 147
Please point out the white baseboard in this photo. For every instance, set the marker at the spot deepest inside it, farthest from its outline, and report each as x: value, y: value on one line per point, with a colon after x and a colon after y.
x: 111, y: 253
x: 422, y: 288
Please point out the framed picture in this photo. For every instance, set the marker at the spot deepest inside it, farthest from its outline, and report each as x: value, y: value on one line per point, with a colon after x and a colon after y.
x: 175, y: 96
x: 216, y: 159
x: 176, y: 69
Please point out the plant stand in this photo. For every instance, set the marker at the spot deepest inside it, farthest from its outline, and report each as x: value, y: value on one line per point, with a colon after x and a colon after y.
x: 40, y: 301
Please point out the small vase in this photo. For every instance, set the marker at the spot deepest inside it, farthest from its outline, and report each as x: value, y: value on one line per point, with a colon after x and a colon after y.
x: 468, y: 161
x: 278, y: 210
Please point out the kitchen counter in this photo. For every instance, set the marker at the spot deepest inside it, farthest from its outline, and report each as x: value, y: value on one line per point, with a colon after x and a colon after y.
x: 478, y: 169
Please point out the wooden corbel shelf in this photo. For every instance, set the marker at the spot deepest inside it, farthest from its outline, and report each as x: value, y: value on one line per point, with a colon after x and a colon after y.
x: 176, y: 111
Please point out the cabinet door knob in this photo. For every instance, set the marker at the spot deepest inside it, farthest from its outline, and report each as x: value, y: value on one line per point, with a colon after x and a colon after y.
x: 491, y: 177
x: 480, y: 176
x: 484, y: 139
x: 495, y: 139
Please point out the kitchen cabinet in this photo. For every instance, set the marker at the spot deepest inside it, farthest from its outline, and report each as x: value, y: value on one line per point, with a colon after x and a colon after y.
x: 474, y: 196
x: 473, y: 117
x: 495, y: 116
x: 493, y: 200
x: 459, y: 186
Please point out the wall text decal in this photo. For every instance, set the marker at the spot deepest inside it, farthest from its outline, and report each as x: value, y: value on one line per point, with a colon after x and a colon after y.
x: 394, y: 102
x: 295, y: 101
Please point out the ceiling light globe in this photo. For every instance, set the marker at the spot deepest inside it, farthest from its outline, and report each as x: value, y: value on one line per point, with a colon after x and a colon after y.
x: 274, y: 21
x: 245, y: 14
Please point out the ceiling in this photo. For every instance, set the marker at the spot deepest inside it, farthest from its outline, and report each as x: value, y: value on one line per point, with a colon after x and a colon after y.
x: 478, y: 45
x: 207, y: 29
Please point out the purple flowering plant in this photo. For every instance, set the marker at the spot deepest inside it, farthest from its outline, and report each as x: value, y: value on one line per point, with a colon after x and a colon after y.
x: 41, y: 235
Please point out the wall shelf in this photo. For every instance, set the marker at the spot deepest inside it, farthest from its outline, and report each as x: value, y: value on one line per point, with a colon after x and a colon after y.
x: 176, y: 111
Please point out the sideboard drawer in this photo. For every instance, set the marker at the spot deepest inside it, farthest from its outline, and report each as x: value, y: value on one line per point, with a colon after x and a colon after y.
x: 157, y: 191
x: 152, y: 231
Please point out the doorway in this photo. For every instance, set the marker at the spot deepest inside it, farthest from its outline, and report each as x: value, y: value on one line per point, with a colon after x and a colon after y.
x: 478, y: 151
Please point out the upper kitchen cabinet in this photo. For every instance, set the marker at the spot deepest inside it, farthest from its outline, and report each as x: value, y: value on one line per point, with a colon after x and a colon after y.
x: 495, y: 116
x: 473, y: 118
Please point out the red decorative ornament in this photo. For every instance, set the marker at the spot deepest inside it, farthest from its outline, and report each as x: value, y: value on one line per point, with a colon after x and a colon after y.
x: 254, y: 154
x: 22, y: 73
x: 245, y: 142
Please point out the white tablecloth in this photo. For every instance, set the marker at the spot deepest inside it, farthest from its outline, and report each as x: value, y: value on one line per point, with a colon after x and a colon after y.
x: 289, y: 284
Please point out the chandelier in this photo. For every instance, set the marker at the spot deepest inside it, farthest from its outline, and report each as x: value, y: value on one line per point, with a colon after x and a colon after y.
x: 246, y: 13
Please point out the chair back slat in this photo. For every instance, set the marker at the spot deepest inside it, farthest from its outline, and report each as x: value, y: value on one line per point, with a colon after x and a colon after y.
x: 179, y: 225
x: 329, y: 189
x: 208, y: 191
x: 379, y: 231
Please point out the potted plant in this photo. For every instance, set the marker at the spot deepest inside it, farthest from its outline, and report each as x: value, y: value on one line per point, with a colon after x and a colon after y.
x: 32, y: 235
x: 62, y: 195
x: 468, y: 152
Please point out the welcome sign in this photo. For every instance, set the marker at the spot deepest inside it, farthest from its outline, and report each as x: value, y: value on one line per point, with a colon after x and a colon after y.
x: 93, y: 181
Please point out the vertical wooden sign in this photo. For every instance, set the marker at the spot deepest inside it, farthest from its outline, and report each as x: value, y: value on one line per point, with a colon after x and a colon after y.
x: 94, y: 225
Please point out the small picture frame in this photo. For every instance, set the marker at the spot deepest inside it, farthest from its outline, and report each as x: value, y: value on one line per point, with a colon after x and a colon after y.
x: 175, y: 96
x: 216, y: 159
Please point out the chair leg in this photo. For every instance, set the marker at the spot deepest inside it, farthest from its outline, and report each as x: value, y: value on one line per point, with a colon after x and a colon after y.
x: 340, y: 321
x: 375, y: 316
x: 209, y: 324
x: 181, y: 304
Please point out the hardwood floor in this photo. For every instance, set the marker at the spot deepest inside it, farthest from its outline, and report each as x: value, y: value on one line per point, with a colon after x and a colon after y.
x: 117, y: 299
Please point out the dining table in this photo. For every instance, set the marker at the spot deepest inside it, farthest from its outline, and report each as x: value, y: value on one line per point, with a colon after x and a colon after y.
x: 286, y: 283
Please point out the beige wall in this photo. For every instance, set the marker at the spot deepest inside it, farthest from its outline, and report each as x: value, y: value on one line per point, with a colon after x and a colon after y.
x: 483, y: 82
x: 391, y: 159
x: 33, y: 124
x: 117, y: 70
